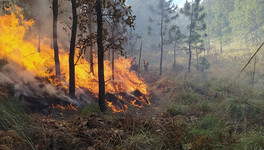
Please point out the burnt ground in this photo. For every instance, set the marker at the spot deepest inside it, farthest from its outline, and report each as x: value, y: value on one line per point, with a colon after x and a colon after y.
x: 161, y: 94
x: 70, y: 129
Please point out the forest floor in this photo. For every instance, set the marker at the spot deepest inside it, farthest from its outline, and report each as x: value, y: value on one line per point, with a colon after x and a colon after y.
x: 185, y: 113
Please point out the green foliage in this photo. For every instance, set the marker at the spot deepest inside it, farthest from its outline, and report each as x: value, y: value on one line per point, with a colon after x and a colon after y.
x: 194, y: 11
x: 203, y: 64
x: 235, y: 19
x: 167, y: 14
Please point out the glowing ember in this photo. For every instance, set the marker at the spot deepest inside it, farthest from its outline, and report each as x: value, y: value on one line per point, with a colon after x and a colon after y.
x: 68, y: 107
x: 13, y: 46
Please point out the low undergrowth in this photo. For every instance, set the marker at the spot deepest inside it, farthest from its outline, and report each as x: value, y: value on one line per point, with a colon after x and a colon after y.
x: 227, y: 116
x: 204, y: 114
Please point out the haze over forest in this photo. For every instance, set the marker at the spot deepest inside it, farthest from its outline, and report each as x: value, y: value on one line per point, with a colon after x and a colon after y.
x: 131, y: 74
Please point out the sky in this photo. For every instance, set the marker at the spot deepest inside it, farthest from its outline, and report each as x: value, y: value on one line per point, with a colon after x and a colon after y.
x: 180, y: 3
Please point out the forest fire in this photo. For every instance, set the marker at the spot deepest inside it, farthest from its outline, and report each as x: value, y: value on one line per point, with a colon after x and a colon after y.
x: 126, y: 87
x: 69, y: 107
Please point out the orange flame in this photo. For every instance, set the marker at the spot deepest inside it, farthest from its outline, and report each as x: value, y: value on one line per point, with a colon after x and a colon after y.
x: 13, y: 46
x: 69, y: 107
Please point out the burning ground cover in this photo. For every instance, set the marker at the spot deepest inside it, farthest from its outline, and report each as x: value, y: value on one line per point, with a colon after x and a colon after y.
x: 126, y: 88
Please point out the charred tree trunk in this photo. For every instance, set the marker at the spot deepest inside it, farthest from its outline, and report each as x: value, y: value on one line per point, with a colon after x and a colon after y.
x: 140, y: 53
x: 91, y: 45
x: 113, y: 64
x: 72, y: 49
x: 161, y: 36
x: 109, y: 55
x: 100, y: 55
x: 55, y: 37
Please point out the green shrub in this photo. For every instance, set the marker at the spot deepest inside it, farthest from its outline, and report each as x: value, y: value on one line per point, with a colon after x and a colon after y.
x: 178, y: 109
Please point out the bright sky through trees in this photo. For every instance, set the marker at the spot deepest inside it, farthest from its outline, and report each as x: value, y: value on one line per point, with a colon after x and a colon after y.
x: 180, y: 3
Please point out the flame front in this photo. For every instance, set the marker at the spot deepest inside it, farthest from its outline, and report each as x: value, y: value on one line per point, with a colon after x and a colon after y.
x: 14, y: 47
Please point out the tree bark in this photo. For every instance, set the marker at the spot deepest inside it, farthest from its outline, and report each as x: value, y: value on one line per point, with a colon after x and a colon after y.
x: 221, y: 45
x: 190, y: 42
x: 161, y: 36
x: 72, y: 49
x: 109, y: 55
x: 91, y: 46
x: 208, y: 46
x: 100, y: 55
x: 55, y: 37
x: 113, y: 64
x: 221, y: 40
x: 197, y: 59
x: 174, y: 59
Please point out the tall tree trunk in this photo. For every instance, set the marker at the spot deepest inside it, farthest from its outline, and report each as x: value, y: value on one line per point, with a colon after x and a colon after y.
x: 221, y: 39
x: 190, y: 52
x: 55, y: 37
x: 161, y: 36
x: 190, y: 42
x: 140, y: 53
x: 113, y: 64
x: 208, y: 46
x: 109, y: 55
x: 91, y: 46
x: 100, y: 55
x: 174, y: 59
x: 197, y: 59
x: 221, y: 44
x: 72, y: 49
x: 130, y: 43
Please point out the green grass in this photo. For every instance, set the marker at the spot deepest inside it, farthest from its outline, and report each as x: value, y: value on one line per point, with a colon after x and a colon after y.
x: 178, y: 109
x: 252, y: 140
x: 15, y: 117
x: 228, y: 115
x: 90, y: 108
x: 211, y: 132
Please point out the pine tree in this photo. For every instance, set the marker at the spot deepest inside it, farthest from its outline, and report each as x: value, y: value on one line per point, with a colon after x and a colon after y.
x: 167, y: 12
x: 72, y: 49
x: 176, y: 38
x: 194, y: 11
x: 55, y: 37
x: 100, y: 55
